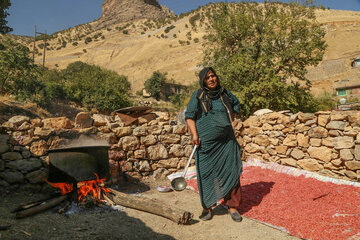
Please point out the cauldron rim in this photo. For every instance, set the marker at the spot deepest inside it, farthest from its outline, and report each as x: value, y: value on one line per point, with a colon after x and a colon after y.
x: 76, y: 148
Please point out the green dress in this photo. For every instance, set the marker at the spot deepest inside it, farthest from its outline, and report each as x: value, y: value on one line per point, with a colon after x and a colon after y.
x: 218, y: 159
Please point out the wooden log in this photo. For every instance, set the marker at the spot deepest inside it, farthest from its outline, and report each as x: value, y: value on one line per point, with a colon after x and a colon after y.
x: 41, y: 207
x: 151, y: 206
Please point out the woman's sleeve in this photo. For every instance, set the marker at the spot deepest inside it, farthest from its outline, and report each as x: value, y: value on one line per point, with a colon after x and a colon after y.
x: 192, y: 107
x: 236, y: 103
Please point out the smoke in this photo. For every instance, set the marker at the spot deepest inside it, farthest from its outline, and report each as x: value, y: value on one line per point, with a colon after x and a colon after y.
x: 86, y: 141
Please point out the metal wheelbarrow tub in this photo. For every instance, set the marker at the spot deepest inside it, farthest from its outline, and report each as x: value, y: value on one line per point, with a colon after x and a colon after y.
x: 76, y: 164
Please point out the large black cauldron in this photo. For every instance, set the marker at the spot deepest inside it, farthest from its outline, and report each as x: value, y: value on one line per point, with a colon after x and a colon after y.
x: 76, y: 164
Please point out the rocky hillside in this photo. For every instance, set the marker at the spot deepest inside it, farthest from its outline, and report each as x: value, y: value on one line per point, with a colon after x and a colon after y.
x: 137, y: 48
x: 119, y: 11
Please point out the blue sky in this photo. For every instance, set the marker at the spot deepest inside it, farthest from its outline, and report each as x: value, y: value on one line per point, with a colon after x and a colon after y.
x: 55, y: 15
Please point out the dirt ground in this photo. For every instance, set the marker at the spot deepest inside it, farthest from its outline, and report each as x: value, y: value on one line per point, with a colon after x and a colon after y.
x: 106, y: 223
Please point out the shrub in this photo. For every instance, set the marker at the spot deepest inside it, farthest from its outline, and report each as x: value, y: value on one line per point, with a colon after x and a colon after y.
x: 125, y: 32
x: 87, y: 40
x: 75, y: 43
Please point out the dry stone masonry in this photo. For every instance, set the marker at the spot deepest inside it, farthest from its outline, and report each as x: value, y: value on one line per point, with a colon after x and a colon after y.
x: 325, y: 142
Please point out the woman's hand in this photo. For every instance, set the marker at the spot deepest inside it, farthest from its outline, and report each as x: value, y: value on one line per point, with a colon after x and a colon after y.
x: 192, y: 127
x: 195, y: 140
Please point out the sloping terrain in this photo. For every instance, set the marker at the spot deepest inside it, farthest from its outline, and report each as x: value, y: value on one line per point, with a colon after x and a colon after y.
x: 137, y: 49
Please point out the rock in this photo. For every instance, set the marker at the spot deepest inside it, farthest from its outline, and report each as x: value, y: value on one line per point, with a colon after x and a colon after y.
x: 357, y: 152
x: 288, y: 161
x: 281, y: 149
x: 140, y: 131
x: 179, y: 129
x: 144, y: 166
x: 140, y: 154
x: 129, y: 143
x: 11, y: 156
x: 57, y: 123
x: 336, y: 125
x: 157, y: 152
x: 37, y: 176
x: 323, y: 120
x: 2, y: 165
x: 301, y: 128
x: 350, y: 174
x: 262, y: 140
x: 101, y: 120
x: 120, y: 11
x: 39, y: 148
x: 123, y: 131
x: 36, y: 122
x: 262, y: 112
x: 177, y: 150
x: 252, y: 121
x: 334, y: 133
x: 321, y: 153
x: 185, y: 140
x: 148, y: 140
x: 343, y: 142
x: 290, y: 140
x: 310, y: 165
x: 18, y: 120
x: 253, y: 148
x: 160, y: 173
x: 329, y: 142
x: 42, y: 132
x: 304, y: 117
x: 155, y: 130
x: 353, y: 165
x: 12, y: 177
x: 297, y: 154
x: 25, y: 165
x: 4, y: 147
x: 25, y: 126
x: 346, y: 155
x: 169, y: 163
x: 315, y: 142
x: 318, y: 132
x: 83, y: 120
x: 303, y: 141
x: 338, y: 116
x: 169, y: 139
x: 251, y: 132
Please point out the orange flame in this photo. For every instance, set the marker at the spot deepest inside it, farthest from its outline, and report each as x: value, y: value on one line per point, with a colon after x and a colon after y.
x: 64, y: 187
x: 84, y: 188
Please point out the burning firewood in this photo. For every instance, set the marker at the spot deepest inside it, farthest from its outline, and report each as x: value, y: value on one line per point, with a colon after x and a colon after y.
x: 149, y: 205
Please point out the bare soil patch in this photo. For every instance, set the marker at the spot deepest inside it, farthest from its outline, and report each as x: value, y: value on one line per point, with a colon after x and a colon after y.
x: 103, y: 223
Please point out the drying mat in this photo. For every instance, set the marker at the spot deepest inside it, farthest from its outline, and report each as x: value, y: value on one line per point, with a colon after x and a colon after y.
x: 299, y: 202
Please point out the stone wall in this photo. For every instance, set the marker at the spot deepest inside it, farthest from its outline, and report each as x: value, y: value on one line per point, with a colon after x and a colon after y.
x: 324, y: 142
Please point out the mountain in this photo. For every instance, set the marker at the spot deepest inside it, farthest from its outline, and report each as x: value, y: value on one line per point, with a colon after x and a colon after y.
x: 134, y: 39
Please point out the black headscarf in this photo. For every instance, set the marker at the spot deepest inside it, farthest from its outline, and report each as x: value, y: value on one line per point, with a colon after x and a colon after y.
x: 208, y: 94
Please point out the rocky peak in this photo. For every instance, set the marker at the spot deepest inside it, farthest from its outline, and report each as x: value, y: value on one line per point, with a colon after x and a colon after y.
x: 118, y: 11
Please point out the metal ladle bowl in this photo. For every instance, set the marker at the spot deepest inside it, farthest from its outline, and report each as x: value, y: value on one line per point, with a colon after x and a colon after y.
x: 179, y: 183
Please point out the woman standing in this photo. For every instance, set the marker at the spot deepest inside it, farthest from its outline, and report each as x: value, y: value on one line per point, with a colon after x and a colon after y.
x: 209, y: 114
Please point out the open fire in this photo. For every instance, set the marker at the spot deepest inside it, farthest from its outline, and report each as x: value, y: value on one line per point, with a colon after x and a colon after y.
x: 84, y: 188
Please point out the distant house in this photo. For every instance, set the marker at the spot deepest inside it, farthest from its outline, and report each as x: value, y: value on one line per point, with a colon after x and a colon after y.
x: 348, y: 91
x: 170, y: 89
x: 355, y: 62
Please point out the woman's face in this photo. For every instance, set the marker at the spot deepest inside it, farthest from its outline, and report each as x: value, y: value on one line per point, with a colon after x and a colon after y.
x: 211, y: 80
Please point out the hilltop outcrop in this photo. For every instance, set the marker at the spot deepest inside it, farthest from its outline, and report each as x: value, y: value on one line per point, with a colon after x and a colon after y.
x: 118, y: 11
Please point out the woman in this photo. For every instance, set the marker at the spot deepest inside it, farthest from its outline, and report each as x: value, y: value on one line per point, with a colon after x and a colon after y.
x: 209, y: 114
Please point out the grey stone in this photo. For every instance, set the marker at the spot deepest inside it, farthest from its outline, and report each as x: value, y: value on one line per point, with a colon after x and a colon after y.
x: 144, y: 166
x: 18, y: 120
x: 357, y: 152
x: 297, y: 154
x: 4, y: 147
x: 140, y: 131
x: 25, y: 165
x: 336, y: 125
x: 318, y: 132
x: 26, y: 154
x: 346, y: 155
x: 37, y: 176
x: 11, y: 156
x: 4, y: 183
x: 2, y: 165
x: 343, y: 142
x: 12, y: 177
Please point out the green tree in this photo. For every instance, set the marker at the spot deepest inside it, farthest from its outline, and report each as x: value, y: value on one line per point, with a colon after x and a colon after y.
x: 4, y: 5
x: 94, y: 87
x: 15, y: 66
x: 154, y: 84
x: 261, y: 52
